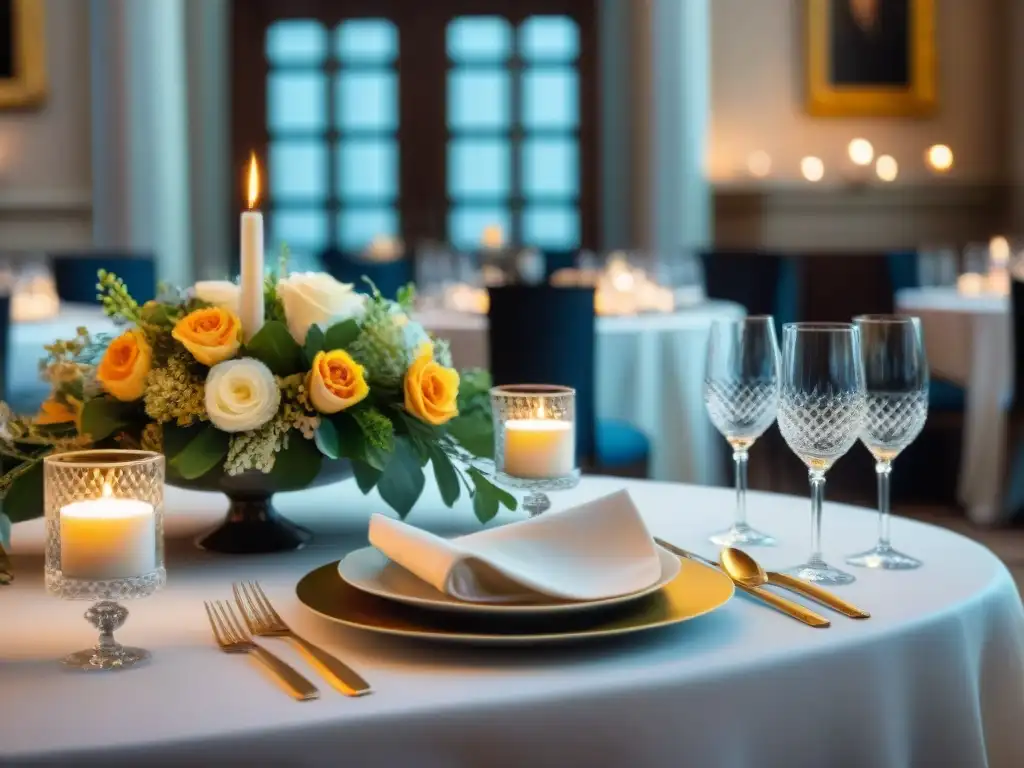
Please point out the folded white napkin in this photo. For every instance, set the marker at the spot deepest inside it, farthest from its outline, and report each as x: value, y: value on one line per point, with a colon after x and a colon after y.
x: 597, y: 550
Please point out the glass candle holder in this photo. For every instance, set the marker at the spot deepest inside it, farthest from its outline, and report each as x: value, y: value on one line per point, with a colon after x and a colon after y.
x: 535, y: 440
x: 104, y: 540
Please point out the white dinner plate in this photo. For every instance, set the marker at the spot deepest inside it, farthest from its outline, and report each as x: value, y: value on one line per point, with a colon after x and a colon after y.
x: 368, y: 570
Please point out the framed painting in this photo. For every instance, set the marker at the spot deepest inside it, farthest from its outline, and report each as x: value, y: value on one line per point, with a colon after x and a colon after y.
x: 871, y: 58
x: 22, y: 54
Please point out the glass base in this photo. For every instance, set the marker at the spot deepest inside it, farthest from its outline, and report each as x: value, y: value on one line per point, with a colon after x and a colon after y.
x: 742, y: 535
x: 884, y: 558
x: 118, y: 657
x: 820, y: 572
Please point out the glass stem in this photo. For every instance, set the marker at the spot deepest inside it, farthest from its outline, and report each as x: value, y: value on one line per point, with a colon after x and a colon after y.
x: 739, y: 456
x: 817, y: 498
x: 883, y: 469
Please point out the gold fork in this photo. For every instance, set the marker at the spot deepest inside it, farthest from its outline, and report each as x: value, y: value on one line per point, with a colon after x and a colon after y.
x: 264, y: 621
x: 232, y: 638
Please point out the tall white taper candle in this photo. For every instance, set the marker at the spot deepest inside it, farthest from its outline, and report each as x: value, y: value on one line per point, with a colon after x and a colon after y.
x: 251, y: 295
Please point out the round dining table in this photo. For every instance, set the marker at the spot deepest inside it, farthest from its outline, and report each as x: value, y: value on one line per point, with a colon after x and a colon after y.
x: 650, y: 373
x: 969, y: 341
x: 934, y: 678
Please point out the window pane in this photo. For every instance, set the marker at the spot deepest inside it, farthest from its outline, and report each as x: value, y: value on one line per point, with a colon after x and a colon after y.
x: 549, y: 38
x: 478, y: 98
x: 368, y: 168
x: 479, y: 167
x: 551, y: 226
x: 367, y: 100
x: 296, y: 101
x: 357, y: 227
x: 550, y: 98
x: 550, y: 167
x: 297, y: 41
x: 300, y: 230
x: 298, y: 169
x: 466, y: 224
x: 479, y: 38
x: 367, y: 40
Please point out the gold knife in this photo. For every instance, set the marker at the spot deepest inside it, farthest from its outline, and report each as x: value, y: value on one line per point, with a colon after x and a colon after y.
x: 816, y: 593
x: 788, y: 607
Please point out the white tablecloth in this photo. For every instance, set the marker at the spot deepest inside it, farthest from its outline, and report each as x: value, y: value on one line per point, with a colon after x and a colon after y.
x: 934, y: 679
x: 969, y: 341
x: 650, y: 373
x: 28, y: 339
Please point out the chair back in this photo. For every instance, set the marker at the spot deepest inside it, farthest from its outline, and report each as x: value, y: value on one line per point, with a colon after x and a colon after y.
x: 764, y: 283
x: 388, y: 276
x: 74, y: 273
x: 1017, y: 308
x: 541, y: 334
x: 903, y: 270
x: 556, y: 260
x: 5, y: 335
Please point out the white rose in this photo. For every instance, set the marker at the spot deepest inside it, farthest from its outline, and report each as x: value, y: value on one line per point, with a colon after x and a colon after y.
x: 241, y: 395
x: 316, y: 298
x: 219, y: 293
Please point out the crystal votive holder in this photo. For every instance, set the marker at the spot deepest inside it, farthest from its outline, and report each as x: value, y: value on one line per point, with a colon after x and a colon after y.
x: 535, y: 440
x: 104, y: 540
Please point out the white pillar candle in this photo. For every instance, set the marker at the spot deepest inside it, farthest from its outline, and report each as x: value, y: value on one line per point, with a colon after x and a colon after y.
x: 250, y: 310
x: 539, y: 448
x: 107, y: 539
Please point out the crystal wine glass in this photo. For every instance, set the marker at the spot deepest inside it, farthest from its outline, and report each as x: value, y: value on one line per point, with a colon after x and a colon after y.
x: 896, y: 382
x: 821, y: 412
x: 741, y: 392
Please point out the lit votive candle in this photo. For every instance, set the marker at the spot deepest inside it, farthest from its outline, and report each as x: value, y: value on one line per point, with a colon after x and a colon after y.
x: 107, y: 538
x: 539, y: 448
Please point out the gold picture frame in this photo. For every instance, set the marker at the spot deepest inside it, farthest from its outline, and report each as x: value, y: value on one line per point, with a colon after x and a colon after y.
x: 26, y: 86
x: 913, y: 89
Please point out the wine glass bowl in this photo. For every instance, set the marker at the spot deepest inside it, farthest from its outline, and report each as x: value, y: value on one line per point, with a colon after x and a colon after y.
x: 741, y: 393
x: 821, y: 412
x: 896, y: 386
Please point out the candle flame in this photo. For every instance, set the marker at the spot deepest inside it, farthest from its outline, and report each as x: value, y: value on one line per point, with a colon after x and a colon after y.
x: 107, y: 490
x: 540, y: 412
x: 253, y: 189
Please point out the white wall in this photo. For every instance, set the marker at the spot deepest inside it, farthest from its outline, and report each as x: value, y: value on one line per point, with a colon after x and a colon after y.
x: 757, y: 95
x: 45, y: 179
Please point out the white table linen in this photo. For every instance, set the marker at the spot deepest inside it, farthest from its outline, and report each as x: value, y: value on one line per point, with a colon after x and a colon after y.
x: 593, y: 551
x: 934, y: 678
x: 650, y: 373
x: 969, y: 341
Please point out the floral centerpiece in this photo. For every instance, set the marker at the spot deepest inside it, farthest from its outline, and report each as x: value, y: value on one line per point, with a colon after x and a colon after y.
x: 332, y: 376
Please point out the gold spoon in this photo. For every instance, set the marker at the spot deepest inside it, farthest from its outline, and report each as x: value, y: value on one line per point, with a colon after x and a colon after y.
x: 744, y: 569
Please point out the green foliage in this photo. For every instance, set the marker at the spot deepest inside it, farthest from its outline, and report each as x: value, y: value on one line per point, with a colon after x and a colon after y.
x: 377, y: 429
x: 5, y: 532
x: 314, y: 344
x: 103, y: 416
x: 24, y: 498
x: 297, y: 465
x: 202, y: 454
x: 475, y: 433
x: 327, y: 439
x: 487, y: 496
x: 406, y: 297
x: 274, y: 346
x: 444, y: 473
x: 402, y: 481
x: 366, y: 476
x: 341, y: 335
x: 116, y: 300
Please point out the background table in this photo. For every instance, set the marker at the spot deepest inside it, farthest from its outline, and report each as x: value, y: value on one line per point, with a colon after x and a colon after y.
x: 935, y: 678
x: 969, y: 341
x: 650, y: 373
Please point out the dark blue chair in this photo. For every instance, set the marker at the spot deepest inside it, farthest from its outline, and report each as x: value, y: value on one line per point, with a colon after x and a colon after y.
x: 763, y: 283
x: 544, y: 334
x: 74, y: 273
x: 903, y: 273
x: 556, y: 260
x: 388, y: 276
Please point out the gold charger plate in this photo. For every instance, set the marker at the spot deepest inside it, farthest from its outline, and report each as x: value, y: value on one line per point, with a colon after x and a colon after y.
x: 694, y: 591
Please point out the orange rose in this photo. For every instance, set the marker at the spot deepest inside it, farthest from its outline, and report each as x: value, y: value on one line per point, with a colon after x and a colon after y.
x: 336, y: 381
x: 53, y: 411
x: 431, y: 389
x: 125, y: 365
x: 212, y: 334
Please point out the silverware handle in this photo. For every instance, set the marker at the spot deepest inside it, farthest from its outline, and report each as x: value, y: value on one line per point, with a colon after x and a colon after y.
x: 788, y: 607
x: 335, y: 670
x: 298, y: 686
x: 816, y: 593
